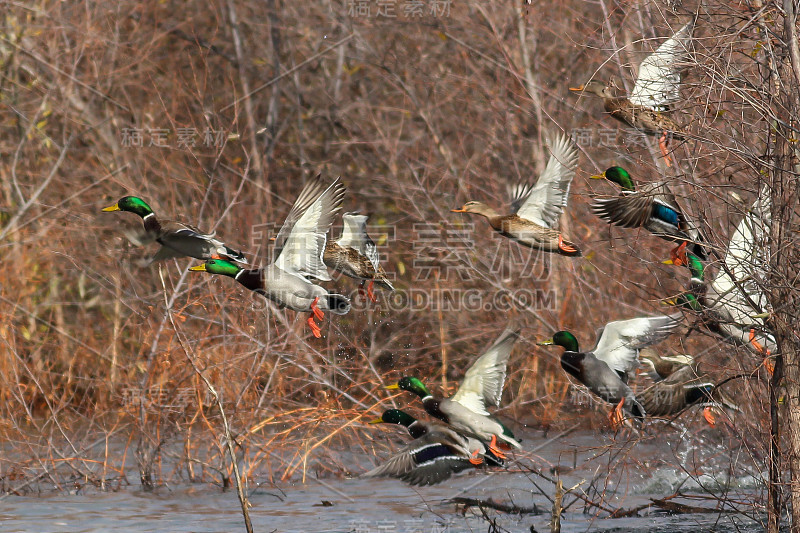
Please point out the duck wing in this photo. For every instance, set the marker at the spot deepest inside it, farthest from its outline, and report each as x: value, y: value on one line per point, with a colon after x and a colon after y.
x: 483, y: 382
x: 658, y: 83
x: 619, y: 343
x: 300, y: 243
x: 354, y: 235
x: 543, y: 201
x: 427, y: 460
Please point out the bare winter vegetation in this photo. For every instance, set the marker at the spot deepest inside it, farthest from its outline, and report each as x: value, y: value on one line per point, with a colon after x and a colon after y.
x: 216, y: 114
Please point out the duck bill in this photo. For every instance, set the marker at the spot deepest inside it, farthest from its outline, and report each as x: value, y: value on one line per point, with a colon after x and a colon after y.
x: 459, y: 210
x: 599, y: 176
x: 672, y: 302
x: 668, y: 262
x: 577, y: 88
x: 393, y: 387
x: 198, y: 268
x: 548, y: 342
x: 376, y: 421
x: 110, y: 208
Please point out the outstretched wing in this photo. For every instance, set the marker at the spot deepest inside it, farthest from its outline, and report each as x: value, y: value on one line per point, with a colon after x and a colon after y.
x: 483, y: 382
x: 658, y: 83
x: 354, y: 235
x: 428, y: 460
x: 301, y: 241
x: 543, y: 202
x: 620, y: 341
x: 745, y: 263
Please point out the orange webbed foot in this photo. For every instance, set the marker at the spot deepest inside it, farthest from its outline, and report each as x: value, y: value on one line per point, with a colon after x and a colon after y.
x: 662, y: 143
x: 565, y: 247
x: 757, y: 345
x: 708, y: 414
x: 476, y: 459
x: 318, y: 314
x: 495, y: 448
x: 314, y: 327
x: 678, y: 254
x: 370, y: 292
x: 616, y: 416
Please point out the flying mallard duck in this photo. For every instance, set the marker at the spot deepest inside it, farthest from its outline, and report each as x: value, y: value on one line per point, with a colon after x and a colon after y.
x: 656, y: 88
x: 653, y: 208
x: 417, y: 428
x: 604, y: 370
x: 176, y: 238
x: 297, y: 256
x: 660, y: 366
x: 730, y: 298
x: 355, y: 255
x: 434, y: 455
x: 536, y: 208
x: 483, y: 384
x: 682, y: 389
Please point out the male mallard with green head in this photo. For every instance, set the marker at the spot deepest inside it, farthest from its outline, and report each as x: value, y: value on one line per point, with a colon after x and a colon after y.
x: 535, y: 209
x: 652, y: 207
x: 604, y: 369
x: 656, y: 88
x: 177, y: 239
x: 297, y: 256
x: 466, y: 410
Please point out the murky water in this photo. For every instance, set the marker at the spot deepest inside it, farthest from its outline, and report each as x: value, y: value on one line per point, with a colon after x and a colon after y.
x: 389, y: 506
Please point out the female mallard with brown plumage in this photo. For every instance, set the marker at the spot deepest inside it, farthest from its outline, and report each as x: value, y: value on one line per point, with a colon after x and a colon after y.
x: 535, y: 208
x: 355, y: 255
x: 656, y: 88
x: 682, y: 389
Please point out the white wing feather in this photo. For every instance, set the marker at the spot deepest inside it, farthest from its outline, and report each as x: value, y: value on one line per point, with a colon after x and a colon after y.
x: 745, y: 261
x: 620, y: 341
x: 659, y: 80
x: 305, y: 244
x: 543, y: 202
x: 483, y: 382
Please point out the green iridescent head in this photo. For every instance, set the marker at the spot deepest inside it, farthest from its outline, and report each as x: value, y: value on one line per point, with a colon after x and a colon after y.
x: 395, y: 416
x: 565, y: 339
x: 696, y: 267
x: 218, y: 266
x: 132, y: 204
x: 619, y: 176
x: 411, y: 384
x: 686, y: 300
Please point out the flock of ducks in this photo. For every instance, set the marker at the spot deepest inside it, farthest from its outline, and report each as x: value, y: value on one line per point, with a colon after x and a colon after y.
x: 468, y: 436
